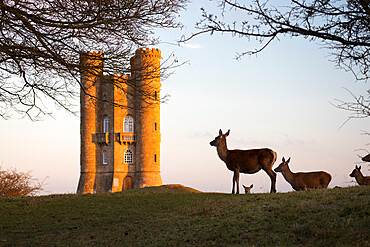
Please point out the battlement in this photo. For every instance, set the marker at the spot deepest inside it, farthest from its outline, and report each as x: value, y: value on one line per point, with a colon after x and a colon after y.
x: 93, y: 58
x: 148, y: 52
x: 93, y: 53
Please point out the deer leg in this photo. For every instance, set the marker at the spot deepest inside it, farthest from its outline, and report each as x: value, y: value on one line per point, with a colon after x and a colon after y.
x: 236, y: 181
x: 233, y: 191
x: 272, y: 176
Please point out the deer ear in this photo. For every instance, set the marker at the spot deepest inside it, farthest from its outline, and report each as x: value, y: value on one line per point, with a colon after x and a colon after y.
x: 243, y: 186
x: 288, y: 160
x: 251, y: 186
x: 283, y: 159
x: 220, y: 132
x: 359, y: 168
x: 227, y: 133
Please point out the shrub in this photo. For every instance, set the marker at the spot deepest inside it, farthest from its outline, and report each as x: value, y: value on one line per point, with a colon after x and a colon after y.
x: 17, y: 183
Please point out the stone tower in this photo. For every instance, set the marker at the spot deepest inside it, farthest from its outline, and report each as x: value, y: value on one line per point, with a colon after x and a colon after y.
x: 120, y: 146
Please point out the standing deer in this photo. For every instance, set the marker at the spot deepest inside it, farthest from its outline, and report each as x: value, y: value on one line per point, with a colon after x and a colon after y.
x: 245, y: 161
x: 247, y: 189
x: 361, y: 179
x: 303, y: 180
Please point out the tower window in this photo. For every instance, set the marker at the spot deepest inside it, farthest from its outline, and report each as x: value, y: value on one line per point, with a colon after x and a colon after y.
x: 128, y: 157
x: 155, y: 126
x: 155, y: 158
x: 128, y: 124
x: 106, y: 125
x: 155, y: 95
x: 105, y: 157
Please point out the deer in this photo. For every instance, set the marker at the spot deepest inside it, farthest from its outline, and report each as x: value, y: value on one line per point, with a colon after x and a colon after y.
x: 366, y: 158
x: 247, y: 189
x: 361, y: 179
x: 303, y: 180
x: 245, y: 161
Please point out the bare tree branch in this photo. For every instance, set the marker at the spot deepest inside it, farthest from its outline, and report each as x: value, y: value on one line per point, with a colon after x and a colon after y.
x: 41, y: 43
x: 342, y: 26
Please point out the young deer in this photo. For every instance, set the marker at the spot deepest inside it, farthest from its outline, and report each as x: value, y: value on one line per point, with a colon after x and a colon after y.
x: 303, y: 180
x: 361, y: 179
x: 247, y: 189
x: 245, y: 161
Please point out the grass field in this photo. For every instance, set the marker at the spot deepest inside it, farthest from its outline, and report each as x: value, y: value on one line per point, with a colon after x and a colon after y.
x: 180, y: 216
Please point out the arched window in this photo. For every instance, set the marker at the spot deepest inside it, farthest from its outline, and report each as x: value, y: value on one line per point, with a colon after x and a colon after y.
x: 128, y: 157
x: 106, y: 125
x: 105, y: 157
x: 128, y: 124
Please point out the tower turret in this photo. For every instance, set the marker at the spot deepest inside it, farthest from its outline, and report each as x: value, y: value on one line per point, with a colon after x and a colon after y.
x: 91, y: 72
x: 146, y: 73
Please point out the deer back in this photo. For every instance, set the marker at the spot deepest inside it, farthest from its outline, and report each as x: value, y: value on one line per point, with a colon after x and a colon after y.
x: 311, y: 180
x: 250, y: 161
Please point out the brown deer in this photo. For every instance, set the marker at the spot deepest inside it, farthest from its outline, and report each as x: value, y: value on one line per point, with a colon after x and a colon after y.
x: 303, y: 180
x: 366, y: 158
x: 247, y: 189
x: 245, y: 161
x: 361, y: 179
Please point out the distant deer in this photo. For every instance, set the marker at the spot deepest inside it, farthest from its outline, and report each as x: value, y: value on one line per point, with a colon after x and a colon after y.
x: 247, y: 189
x: 361, y: 179
x: 366, y: 158
x: 303, y: 180
x: 245, y: 161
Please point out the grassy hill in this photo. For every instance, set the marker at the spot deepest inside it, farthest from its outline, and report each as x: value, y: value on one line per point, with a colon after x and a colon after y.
x: 180, y: 216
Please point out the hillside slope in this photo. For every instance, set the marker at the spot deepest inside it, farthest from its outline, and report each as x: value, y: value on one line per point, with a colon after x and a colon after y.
x: 175, y: 216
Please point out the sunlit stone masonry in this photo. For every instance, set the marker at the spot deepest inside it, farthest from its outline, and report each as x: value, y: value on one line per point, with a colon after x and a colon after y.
x: 120, y: 131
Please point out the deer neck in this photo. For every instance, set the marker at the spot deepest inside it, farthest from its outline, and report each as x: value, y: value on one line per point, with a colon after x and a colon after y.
x: 288, y: 175
x: 222, y: 151
x: 359, y: 178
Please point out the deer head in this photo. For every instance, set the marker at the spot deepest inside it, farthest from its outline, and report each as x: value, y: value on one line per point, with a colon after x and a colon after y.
x: 356, y: 171
x: 283, y: 166
x: 248, y: 189
x: 221, y: 138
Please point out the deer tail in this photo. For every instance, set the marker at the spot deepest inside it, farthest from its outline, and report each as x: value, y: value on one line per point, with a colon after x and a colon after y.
x: 274, y: 157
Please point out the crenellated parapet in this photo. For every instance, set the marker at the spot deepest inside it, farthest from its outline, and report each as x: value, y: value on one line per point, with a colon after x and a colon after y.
x: 146, y: 52
x: 92, y: 58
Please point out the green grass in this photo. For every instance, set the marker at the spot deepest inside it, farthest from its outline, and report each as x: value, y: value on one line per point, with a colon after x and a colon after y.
x: 178, y: 216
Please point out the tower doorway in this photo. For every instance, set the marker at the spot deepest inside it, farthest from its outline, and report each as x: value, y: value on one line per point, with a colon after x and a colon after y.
x: 128, y: 183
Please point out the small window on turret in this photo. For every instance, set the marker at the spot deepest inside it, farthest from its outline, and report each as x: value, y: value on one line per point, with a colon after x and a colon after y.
x: 105, y: 157
x: 155, y: 95
x: 106, y: 125
x: 155, y: 126
x: 155, y: 158
x: 104, y: 96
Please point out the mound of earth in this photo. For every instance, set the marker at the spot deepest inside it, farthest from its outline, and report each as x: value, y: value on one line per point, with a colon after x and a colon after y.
x: 170, y: 188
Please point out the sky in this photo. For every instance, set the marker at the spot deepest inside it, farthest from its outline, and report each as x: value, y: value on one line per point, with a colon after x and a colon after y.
x: 281, y: 99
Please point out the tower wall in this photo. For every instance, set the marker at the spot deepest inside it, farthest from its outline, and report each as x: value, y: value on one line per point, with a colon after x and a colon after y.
x: 122, y: 96
x: 146, y: 72
x: 104, y: 172
x: 92, y: 66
